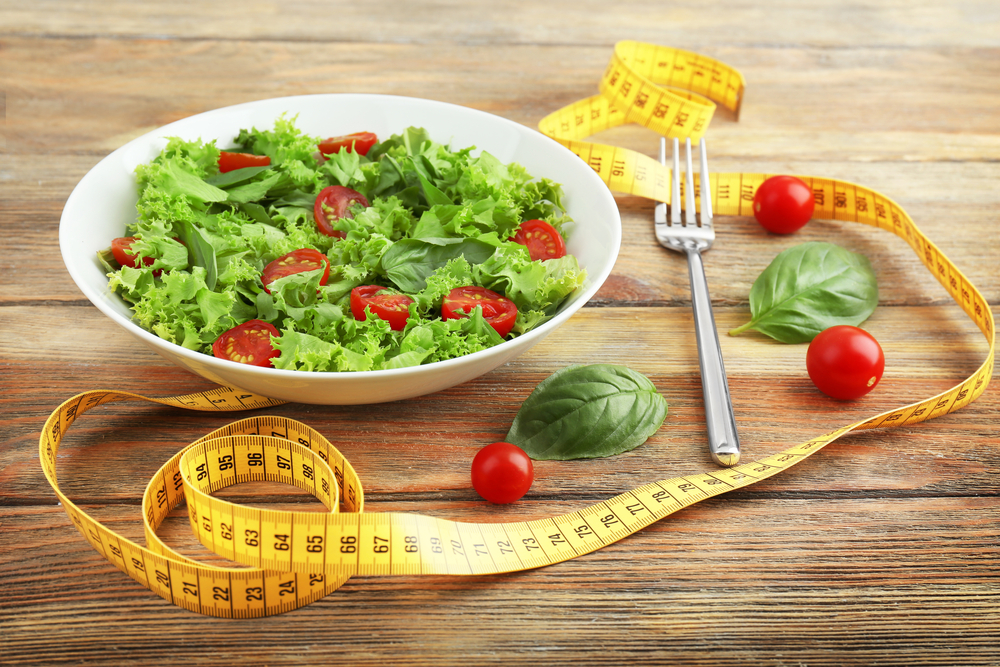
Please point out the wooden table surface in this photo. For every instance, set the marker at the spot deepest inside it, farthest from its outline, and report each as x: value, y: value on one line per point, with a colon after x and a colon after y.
x: 881, y: 549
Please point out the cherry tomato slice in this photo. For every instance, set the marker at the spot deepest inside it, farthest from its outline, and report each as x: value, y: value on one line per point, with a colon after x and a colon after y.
x: 358, y: 142
x: 297, y: 261
x: 334, y: 203
x: 230, y: 161
x: 385, y: 304
x: 121, y: 248
x: 502, y: 473
x: 845, y: 362
x: 499, y: 311
x: 783, y: 204
x: 542, y: 240
x: 249, y: 343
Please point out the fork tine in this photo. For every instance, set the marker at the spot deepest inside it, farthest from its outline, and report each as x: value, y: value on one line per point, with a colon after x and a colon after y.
x: 675, y: 181
x: 706, y: 186
x: 690, y: 217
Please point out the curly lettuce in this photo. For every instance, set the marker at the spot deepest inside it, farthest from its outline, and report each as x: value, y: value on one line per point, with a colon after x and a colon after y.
x: 439, y: 219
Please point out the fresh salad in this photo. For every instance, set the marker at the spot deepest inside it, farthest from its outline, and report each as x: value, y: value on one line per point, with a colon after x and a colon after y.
x: 343, y: 254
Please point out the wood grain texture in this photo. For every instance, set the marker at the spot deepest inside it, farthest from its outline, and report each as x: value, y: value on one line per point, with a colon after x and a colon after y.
x: 880, y: 549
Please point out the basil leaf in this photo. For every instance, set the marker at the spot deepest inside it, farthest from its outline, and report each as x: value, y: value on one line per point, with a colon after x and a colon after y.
x: 809, y: 288
x: 409, y: 262
x: 585, y: 412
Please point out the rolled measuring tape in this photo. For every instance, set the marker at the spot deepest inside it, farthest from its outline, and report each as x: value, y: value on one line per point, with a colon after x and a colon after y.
x: 291, y: 559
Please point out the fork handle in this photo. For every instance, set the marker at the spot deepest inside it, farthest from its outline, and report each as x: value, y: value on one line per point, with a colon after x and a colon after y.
x: 723, y: 441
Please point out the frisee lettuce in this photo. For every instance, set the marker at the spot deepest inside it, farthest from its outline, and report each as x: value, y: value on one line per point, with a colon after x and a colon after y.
x: 439, y: 219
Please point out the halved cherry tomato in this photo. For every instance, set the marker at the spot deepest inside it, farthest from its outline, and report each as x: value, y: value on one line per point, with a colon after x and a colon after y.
x: 230, y: 161
x: 386, y: 305
x: 334, y: 203
x: 359, y: 142
x: 845, y: 362
x: 121, y: 248
x: 541, y: 238
x: 499, y: 311
x: 783, y: 204
x: 297, y: 261
x: 248, y: 343
x: 502, y: 473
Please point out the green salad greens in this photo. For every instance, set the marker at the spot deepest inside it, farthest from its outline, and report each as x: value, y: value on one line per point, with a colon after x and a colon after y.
x: 438, y: 219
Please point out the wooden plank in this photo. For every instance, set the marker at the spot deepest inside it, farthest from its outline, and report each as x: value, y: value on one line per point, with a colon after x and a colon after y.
x: 896, y: 582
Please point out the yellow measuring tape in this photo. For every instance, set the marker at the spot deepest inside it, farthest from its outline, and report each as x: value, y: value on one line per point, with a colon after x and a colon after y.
x: 294, y: 558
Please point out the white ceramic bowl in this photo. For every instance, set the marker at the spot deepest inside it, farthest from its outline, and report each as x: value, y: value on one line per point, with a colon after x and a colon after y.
x: 103, y: 203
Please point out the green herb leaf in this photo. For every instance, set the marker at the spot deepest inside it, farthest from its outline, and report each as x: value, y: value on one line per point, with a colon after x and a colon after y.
x: 201, y: 251
x: 409, y: 262
x: 809, y: 288
x: 584, y: 412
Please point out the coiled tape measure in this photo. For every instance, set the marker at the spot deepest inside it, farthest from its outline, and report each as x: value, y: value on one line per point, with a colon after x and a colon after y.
x: 294, y: 558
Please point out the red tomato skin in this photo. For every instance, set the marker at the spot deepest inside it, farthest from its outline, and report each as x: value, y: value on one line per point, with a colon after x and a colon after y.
x: 845, y: 362
x: 338, y: 199
x: 542, y: 240
x: 502, y: 473
x: 391, y: 307
x: 229, y: 161
x: 358, y: 142
x: 121, y: 248
x: 499, y: 311
x: 783, y: 204
x: 248, y: 343
x: 297, y: 261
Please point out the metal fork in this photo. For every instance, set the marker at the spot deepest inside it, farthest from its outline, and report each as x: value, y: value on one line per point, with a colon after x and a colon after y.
x: 691, y: 238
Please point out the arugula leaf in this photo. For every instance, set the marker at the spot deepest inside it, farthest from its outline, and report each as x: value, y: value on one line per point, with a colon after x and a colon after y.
x: 809, y: 288
x: 584, y: 412
x: 230, y: 178
x: 201, y: 251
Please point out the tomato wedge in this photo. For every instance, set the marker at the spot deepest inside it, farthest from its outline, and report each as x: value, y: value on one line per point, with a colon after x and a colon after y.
x: 358, y: 142
x: 386, y: 305
x: 542, y: 240
x: 230, y: 161
x: 249, y: 343
x: 499, y: 311
x: 334, y: 203
x: 121, y: 248
x: 297, y: 261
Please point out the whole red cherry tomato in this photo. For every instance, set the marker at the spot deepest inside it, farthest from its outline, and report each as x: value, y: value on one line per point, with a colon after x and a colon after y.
x: 358, y: 142
x: 249, y: 343
x: 541, y: 238
x: 502, y: 473
x: 499, y: 311
x: 230, y: 161
x: 334, y: 203
x: 385, y: 304
x: 297, y: 261
x: 783, y: 204
x: 845, y: 362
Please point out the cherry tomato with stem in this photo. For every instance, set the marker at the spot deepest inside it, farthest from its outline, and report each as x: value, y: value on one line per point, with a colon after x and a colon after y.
x: 498, y: 311
x: 783, y: 204
x: 297, y: 261
x: 249, y: 343
x: 358, y: 142
x: 542, y: 240
x: 845, y: 362
x: 502, y: 473
x: 387, y: 305
x: 229, y: 161
x: 332, y: 204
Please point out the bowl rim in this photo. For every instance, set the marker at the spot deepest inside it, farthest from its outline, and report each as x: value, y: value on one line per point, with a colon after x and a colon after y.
x: 100, y: 300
